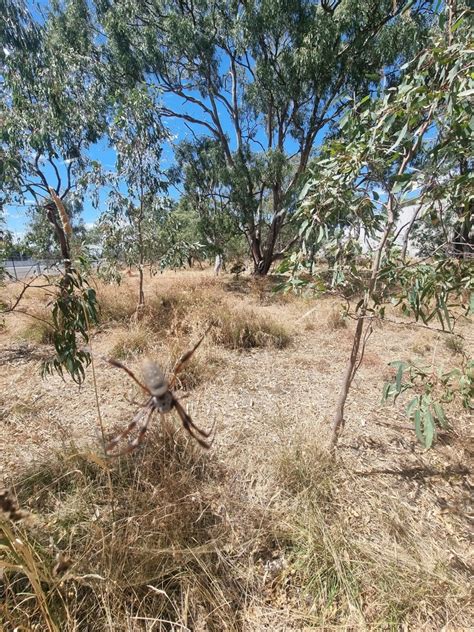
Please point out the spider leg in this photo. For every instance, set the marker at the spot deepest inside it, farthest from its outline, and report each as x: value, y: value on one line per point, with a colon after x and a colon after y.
x: 141, y: 434
x: 185, y: 358
x: 131, y: 426
x: 119, y: 365
x: 136, y: 403
x: 191, y: 427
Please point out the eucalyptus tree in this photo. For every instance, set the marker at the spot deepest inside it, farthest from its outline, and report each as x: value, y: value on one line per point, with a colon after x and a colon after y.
x: 265, y: 79
x: 396, y: 150
x: 206, y: 194
x: 137, y: 135
x: 53, y: 109
x: 42, y: 242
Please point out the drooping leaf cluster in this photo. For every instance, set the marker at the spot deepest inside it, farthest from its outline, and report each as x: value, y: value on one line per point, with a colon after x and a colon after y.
x: 74, y: 312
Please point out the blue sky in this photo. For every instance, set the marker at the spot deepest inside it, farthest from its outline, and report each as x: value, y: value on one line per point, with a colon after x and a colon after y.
x: 17, y: 215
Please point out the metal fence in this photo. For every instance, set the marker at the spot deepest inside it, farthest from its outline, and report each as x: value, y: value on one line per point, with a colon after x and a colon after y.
x: 17, y: 269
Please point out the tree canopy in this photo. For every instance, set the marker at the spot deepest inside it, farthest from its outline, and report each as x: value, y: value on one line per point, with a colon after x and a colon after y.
x: 263, y: 82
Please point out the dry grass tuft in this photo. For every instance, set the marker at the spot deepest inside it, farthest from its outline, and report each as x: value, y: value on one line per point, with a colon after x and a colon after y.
x: 336, y: 320
x: 304, y: 466
x: 171, y: 549
x: 247, y: 330
x: 37, y: 327
x: 132, y: 341
x: 187, y: 541
x: 421, y: 348
x: 455, y: 344
x: 267, y: 290
x: 172, y: 309
x: 183, y: 310
x: 117, y: 303
x: 360, y: 558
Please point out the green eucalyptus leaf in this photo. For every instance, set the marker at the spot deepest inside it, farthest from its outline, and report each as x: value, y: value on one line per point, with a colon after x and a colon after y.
x: 429, y: 430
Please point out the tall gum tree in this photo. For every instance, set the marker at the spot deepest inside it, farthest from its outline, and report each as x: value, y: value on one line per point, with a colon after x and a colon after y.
x: 137, y: 135
x: 53, y: 108
x: 266, y: 79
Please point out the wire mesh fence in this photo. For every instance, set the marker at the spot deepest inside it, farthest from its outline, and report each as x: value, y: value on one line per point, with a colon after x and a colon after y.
x: 17, y: 269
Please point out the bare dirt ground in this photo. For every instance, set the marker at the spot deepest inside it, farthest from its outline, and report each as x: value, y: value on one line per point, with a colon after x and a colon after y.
x: 264, y: 401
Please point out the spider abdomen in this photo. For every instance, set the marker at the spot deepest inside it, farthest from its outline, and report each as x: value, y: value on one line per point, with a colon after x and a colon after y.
x: 154, y: 379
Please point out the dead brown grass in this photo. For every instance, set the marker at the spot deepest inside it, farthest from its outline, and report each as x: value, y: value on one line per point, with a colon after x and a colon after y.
x: 264, y: 532
x: 136, y: 339
x: 180, y: 309
x: 245, y: 329
x: 336, y: 319
x: 170, y: 543
x: 185, y: 539
x: 36, y: 326
x: 117, y: 303
x: 363, y: 560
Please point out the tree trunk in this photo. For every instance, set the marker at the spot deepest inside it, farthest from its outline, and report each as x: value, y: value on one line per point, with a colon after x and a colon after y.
x: 253, y: 241
x: 356, y: 352
x: 263, y: 260
x: 463, y: 240
x: 338, y: 420
x: 60, y: 233
x: 141, y: 295
x: 141, y: 253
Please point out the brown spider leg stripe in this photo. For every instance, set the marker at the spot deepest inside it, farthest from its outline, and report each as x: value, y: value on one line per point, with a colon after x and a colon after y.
x: 184, y: 359
x: 131, y: 426
x: 191, y: 427
x: 119, y: 365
